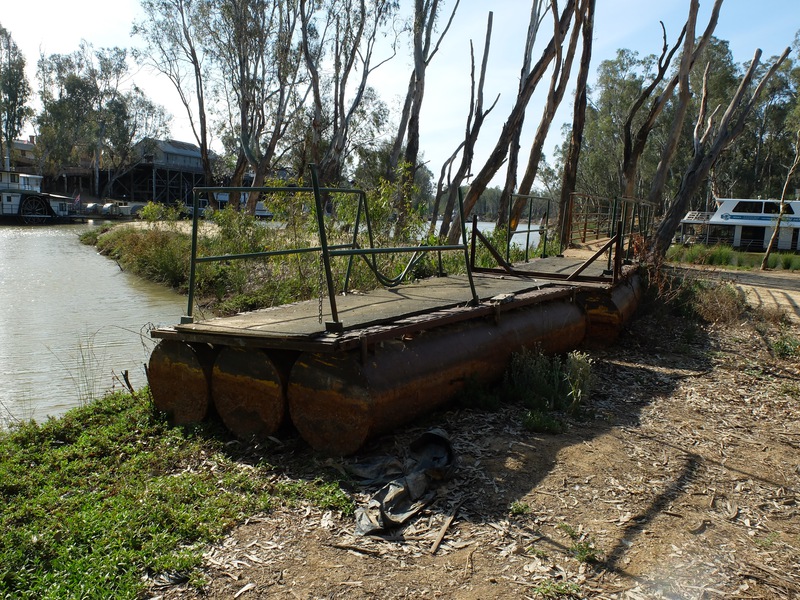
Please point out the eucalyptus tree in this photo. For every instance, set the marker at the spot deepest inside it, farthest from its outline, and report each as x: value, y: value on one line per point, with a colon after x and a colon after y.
x: 257, y: 44
x: 499, y: 153
x: 15, y: 91
x: 538, y: 12
x: 710, y: 139
x: 79, y: 93
x: 424, y: 48
x: 339, y: 35
x: 562, y: 67
x: 756, y: 165
x: 132, y: 124
x: 174, y: 31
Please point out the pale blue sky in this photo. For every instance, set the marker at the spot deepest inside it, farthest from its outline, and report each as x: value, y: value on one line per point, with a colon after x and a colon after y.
x: 55, y: 26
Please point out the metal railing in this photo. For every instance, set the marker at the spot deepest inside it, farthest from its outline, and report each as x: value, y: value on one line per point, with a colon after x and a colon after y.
x: 616, y: 226
x: 326, y: 251
x: 593, y: 219
x: 538, y: 210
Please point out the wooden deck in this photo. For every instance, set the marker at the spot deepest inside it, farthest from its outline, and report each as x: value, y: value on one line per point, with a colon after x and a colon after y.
x: 385, y: 313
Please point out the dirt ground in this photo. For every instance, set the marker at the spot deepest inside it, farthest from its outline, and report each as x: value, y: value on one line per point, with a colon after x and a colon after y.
x: 683, y: 482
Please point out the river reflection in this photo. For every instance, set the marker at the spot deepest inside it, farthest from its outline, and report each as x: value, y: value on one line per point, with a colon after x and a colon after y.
x: 70, y: 321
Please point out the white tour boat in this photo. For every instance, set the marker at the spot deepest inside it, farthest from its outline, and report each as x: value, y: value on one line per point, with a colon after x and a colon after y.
x: 744, y: 223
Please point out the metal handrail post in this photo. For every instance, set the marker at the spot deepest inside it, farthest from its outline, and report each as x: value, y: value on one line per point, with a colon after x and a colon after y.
x: 528, y: 230
x: 508, y: 227
x: 475, y: 300
x: 335, y: 325
x: 189, y: 318
x: 613, y: 224
x: 543, y: 240
x: 361, y: 202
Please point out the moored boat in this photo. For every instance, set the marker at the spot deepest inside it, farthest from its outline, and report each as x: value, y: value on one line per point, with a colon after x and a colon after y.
x: 23, y: 200
x: 745, y: 223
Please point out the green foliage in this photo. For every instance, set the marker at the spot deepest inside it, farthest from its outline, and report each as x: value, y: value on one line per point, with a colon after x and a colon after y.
x: 94, y: 500
x: 786, y: 344
x: 326, y: 495
x: 557, y: 589
x: 15, y: 91
x: 711, y: 301
x: 157, y: 254
x: 546, y: 383
x: 154, y: 212
x: 721, y: 255
x: 583, y: 546
x: 518, y: 508
x: 84, y: 112
x: 539, y: 421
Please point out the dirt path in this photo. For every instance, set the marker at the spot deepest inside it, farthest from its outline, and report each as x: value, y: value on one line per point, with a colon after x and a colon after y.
x: 681, y: 482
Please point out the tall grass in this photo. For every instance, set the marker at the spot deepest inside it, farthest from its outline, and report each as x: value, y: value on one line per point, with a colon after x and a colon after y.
x: 725, y: 256
x: 545, y: 384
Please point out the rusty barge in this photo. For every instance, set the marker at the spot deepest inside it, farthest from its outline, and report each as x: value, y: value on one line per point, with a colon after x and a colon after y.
x: 377, y: 360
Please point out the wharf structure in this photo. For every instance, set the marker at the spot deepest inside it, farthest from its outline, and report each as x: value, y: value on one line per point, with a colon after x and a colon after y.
x: 372, y: 361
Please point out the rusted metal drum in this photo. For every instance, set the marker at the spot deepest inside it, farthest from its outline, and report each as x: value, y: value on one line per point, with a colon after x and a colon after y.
x: 249, y: 392
x: 338, y: 401
x: 178, y: 374
x: 608, y: 311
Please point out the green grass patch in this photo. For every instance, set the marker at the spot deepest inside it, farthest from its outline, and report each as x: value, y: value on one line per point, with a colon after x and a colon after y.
x: 94, y: 500
x: 583, y: 546
x: 556, y: 589
x: 518, y: 508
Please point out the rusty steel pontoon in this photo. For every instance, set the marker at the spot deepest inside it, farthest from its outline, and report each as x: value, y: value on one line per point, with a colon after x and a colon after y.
x: 387, y: 356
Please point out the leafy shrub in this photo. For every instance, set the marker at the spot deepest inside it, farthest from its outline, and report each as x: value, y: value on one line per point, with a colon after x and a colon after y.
x: 786, y: 345
x: 545, y: 383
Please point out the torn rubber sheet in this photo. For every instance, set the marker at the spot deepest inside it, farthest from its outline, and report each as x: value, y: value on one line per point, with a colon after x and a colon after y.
x: 407, y: 486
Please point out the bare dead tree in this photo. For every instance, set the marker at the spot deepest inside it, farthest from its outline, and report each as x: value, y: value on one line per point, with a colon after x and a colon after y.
x: 446, y: 171
x: 775, y: 232
x: 634, y: 143
x: 425, y: 18
x: 558, y: 86
x: 570, y: 174
x: 708, y: 150
x: 691, y: 52
x: 498, y: 155
x: 475, y: 120
x: 536, y: 18
x: 173, y: 30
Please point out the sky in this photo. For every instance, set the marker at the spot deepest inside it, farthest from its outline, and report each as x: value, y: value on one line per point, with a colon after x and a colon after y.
x: 57, y: 27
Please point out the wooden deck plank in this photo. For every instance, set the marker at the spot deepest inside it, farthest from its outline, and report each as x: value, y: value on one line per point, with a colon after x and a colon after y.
x: 362, y: 310
x: 416, y: 306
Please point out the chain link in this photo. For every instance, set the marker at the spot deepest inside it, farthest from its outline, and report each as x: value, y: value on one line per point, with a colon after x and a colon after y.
x: 321, y: 283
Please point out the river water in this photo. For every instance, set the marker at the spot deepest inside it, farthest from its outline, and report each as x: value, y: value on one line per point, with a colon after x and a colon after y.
x: 70, y: 321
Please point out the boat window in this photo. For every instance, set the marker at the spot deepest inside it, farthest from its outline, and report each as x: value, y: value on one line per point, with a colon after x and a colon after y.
x: 748, y: 206
x: 774, y: 208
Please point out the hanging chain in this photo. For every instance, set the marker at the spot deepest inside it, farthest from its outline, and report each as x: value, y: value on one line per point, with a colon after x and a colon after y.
x: 321, y: 283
